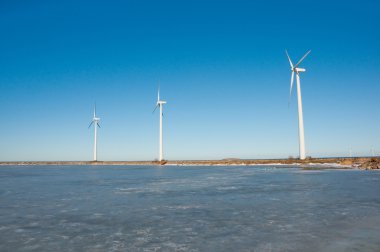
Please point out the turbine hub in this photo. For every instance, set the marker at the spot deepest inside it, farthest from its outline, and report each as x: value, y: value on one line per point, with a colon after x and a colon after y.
x: 300, y: 70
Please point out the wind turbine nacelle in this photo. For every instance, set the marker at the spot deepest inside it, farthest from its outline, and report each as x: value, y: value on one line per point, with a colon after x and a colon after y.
x: 162, y: 102
x: 300, y: 70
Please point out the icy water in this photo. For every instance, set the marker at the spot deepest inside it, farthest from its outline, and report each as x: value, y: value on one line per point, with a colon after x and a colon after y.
x: 121, y: 208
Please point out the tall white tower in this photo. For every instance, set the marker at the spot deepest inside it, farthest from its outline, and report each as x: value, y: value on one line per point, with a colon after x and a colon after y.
x: 161, y: 146
x: 95, y: 121
x: 301, y: 131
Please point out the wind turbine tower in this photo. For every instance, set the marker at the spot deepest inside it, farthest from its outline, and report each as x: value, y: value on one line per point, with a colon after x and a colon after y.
x: 160, y: 104
x: 295, y: 69
x: 95, y: 121
x: 350, y: 151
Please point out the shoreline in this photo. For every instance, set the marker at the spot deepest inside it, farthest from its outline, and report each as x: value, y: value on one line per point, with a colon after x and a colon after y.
x: 355, y: 162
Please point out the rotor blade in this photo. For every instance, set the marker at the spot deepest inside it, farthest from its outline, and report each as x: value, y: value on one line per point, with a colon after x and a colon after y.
x: 155, y: 108
x: 290, y: 61
x: 299, y: 62
x: 98, y: 124
x: 90, y: 124
x: 158, y: 93
x: 95, y: 110
x: 291, y: 86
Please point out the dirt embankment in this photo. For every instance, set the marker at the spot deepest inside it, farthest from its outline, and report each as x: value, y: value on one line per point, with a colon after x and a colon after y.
x: 362, y: 162
x: 357, y: 162
x: 372, y: 164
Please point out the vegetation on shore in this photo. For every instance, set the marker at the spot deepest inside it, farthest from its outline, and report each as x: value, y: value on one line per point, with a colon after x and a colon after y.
x: 359, y: 162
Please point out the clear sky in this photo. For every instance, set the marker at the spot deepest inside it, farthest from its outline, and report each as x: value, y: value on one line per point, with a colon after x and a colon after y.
x: 222, y: 68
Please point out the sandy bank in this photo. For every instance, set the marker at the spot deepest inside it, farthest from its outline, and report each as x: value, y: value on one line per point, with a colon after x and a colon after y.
x: 362, y: 162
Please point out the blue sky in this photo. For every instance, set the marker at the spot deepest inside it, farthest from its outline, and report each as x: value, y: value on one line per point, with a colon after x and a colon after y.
x: 222, y: 69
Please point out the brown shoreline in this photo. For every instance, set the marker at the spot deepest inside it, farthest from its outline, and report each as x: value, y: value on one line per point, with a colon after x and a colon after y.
x: 357, y: 162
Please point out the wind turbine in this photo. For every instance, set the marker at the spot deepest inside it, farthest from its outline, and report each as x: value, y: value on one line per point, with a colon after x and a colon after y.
x: 297, y: 70
x: 350, y: 151
x: 160, y: 105
x: 95, y: 121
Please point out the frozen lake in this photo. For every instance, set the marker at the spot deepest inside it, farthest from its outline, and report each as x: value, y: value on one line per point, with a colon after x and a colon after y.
x: 147, y: 208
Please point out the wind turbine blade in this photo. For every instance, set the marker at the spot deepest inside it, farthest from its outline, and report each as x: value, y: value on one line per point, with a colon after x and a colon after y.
x: 158, y: 94
x: 291, y: 86
x: 95, y: 110
x: 290, y: 61
x: 98, y: 124
x: 90, y: 124
x: 299, y: 62
x: 155, y: 108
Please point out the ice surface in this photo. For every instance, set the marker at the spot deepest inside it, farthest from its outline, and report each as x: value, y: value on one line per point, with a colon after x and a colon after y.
x: 247, y: 208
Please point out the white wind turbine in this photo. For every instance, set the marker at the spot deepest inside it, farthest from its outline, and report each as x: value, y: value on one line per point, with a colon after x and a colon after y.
x: 297, y: 70
x: 95, y: 121
x: 160, y: 105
